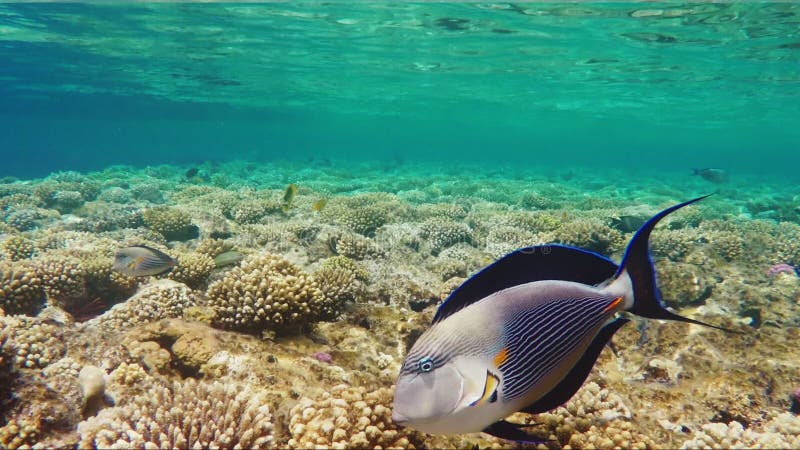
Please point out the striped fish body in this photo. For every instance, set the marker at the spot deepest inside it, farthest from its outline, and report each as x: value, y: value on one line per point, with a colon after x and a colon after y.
x: 525, y: 339
x: 142, y: 261
x: 523, y: 334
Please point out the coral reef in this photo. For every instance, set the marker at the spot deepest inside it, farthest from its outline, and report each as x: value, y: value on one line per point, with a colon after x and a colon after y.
x: 172, y: 223
x: 183, y: 414
x: 349, y: 417
x: 268, y: 292
x: 209, y: 354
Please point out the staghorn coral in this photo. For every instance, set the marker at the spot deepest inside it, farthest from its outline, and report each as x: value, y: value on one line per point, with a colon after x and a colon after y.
x: 267, y: 292
x: 442, y: 233
x: 193, y: 269
x: 156, y: 300
x: 21, y: 290
x: 185, y: 414
x: 16, y: 247
x: 349, y: 417
x: 172, y: 223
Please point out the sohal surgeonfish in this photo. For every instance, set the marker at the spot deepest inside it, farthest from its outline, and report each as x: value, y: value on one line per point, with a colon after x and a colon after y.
x: 523, y: 335
x: 142, y: 261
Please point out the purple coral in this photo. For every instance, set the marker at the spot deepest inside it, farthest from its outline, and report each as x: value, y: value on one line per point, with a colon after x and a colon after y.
x: 323, y: 357
x: 781, y: 268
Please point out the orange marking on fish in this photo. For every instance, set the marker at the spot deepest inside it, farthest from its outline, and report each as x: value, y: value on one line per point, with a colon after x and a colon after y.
x: 135, y: 262
x: 612, y: 305
x: 501, y: 357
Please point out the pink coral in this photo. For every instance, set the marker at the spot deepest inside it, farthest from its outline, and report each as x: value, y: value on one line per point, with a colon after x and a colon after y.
x: 781, y: 268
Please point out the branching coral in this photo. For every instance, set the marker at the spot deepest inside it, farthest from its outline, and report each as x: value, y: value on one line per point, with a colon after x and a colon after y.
x: 155, y: 301
x: 267, y: 292
x: 62, y: 277
x: 33, y: 343
x: 354, y: 246
x: 349, y: 417
x: 783, y: 431
x: 21, y: 290
x: 174, y: 224
x: 16, y: 247
x: 591, y: 234
x: 192, y: 269
x: 186, y: 414
x: 442, y: 233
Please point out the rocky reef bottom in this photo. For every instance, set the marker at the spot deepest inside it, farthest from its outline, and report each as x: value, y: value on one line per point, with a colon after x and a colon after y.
x: 288, y: 315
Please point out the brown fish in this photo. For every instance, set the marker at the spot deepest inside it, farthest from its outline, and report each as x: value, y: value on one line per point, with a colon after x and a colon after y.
x: 142, y: 261
x: 319, y: 204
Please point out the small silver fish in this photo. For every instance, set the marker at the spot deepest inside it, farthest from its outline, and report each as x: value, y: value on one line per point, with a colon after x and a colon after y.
x: 523, y: 335
x: 142, y: 261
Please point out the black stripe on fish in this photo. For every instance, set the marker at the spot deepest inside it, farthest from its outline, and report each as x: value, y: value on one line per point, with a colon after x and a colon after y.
x: 540, y: 338
x: 567, y: 387
x: 542, y: 262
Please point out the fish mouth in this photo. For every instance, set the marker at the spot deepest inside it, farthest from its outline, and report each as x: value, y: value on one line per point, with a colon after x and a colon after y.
x: 399, y: 419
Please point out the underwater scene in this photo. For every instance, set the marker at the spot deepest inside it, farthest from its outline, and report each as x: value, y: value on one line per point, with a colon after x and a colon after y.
x: 400, y: 225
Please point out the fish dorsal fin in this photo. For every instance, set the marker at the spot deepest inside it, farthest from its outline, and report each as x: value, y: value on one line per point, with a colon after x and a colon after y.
x: 575, y: 378
x: 525, y: 265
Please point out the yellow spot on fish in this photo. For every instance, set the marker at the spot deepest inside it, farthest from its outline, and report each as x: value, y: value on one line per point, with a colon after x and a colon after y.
x: 135, y: 262
x: 319, y: 204
x: 612, y: 305
x: 488, y: 389
x: 501, y: 357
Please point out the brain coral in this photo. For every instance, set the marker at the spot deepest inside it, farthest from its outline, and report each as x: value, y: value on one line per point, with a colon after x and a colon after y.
x: 267, y: 292
x: 349, y: 417
x: 185, y: 414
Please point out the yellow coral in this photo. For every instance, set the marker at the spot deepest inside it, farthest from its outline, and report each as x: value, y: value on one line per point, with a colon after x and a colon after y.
x: 266, y: 292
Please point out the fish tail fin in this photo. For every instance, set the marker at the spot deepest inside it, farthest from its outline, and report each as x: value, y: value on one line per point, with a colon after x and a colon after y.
x: 636, y: 277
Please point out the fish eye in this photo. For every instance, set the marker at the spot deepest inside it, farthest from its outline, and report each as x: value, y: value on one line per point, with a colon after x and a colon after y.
x: 425, y: 365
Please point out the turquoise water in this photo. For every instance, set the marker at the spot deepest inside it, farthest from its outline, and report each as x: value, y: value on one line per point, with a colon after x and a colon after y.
x: 631, y: 85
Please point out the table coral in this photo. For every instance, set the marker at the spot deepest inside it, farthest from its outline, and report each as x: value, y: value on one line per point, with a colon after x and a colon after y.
x: 183, y: 414
x: 267, y: 292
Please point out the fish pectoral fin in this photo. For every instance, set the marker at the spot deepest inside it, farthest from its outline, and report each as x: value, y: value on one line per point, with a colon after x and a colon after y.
x: 513, y: 432
x: 489, y: 390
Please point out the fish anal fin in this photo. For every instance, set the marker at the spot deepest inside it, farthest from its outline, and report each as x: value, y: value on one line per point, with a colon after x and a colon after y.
x: 565, y: 389
x: 513, y: 432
